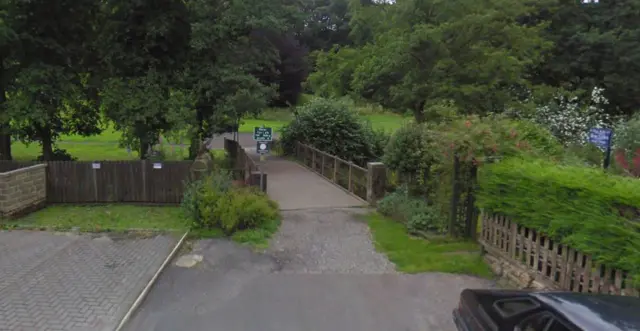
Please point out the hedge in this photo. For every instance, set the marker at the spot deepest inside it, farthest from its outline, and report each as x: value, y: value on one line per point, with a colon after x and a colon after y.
x: 585, y: 208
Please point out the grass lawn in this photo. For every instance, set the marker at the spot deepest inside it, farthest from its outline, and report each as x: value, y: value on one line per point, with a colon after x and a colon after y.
x: 414, y: 255
x: 276, y: 119
x: 92, y: 151
x: 103, y: 218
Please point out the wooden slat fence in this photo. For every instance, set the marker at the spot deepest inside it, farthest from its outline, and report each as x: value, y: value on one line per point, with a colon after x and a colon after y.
x: 243, y: 164
x: 344, y: 173
x: 113, y: 181
x: 553, y: 263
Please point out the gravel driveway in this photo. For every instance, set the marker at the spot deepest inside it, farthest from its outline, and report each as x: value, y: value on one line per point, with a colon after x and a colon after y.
x: 327, y: 241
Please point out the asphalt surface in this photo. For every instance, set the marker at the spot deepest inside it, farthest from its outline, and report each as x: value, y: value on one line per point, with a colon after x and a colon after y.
x: 63, y: 281
x: 321, y: 273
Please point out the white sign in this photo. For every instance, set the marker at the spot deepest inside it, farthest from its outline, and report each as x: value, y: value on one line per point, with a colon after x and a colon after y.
x: 157, y: 166
x: 95, y: 165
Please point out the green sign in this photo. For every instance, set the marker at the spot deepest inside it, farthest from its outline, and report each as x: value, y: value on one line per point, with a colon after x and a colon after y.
x: 262, y: 134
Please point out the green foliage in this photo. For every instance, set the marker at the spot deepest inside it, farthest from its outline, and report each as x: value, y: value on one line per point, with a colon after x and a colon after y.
x: 412, y: 254
x: 241, y: 209
x: 591, y: 211
x: 213, y: 203
x: 587, y: 155
x: 472, y: 54
x: 627, y: 136
x: 415, y: 213
x: 429, y: 220
x: 58, y: 155
x: 585, y: 35
x: 332, y: 127
x: 410, y: 151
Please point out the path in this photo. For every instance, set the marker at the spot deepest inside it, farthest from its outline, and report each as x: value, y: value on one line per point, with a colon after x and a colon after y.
x: 237, y: 289
x: 320, y: 273
x: 71, y: 282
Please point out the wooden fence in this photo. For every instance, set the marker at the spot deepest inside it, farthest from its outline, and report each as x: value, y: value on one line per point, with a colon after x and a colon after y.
x: 112, y: 181
x: 552, y: 263
x: 243, y: 165
x: 344, y: 173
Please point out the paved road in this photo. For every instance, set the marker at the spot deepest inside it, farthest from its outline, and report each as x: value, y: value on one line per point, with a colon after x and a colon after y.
x: 73, y: 282
x: 320, y: 274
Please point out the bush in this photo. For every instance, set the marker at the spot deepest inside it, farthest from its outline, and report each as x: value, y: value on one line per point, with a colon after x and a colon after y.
x: 627, y: 147
x: 59, y: 155
x: 243, y: 208
x: 594, y: 212
x: 410, y: 152
x: 329, y: 125
x: 415, y: 213
x: 213, y: 203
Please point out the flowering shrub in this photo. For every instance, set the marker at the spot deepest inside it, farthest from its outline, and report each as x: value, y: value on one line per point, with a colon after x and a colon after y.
x: 569, y: 120
x: 475, y: 139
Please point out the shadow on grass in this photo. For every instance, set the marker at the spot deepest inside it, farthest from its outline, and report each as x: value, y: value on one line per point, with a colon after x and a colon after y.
x: 436, y: 254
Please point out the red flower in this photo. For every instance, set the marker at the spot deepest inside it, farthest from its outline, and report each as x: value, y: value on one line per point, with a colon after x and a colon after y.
x: 467, y: 124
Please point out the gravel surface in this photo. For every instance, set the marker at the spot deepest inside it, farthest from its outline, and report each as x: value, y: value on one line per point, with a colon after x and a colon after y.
x: 327, y: 241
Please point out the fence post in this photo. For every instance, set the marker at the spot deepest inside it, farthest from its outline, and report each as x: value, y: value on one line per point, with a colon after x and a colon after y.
x: 376, y: 181
x: 322, y: 165
x: 455, y: 196
x: 350, y: 182
x: 313, y: 159
x: 95, y: 185
x: 144, y: 180
x: 335, y: 169
x: 472, y: 211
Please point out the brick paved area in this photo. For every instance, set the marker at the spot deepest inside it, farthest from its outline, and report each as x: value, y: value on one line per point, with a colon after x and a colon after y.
x: 73, y: 282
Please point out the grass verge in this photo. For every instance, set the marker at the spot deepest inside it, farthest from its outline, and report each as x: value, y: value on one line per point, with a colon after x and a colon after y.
x: 257, y: 238
x: 101, y: 218
x: 415, y: 255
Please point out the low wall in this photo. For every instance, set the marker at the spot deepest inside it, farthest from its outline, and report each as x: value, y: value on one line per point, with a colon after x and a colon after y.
x: 528, y: 259
x: 23, y: 190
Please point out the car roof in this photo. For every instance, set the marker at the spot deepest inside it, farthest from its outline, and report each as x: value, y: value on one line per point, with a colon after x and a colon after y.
x: 595, y: 312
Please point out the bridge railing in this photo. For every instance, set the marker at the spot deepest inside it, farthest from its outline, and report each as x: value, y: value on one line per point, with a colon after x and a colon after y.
x: 366, y: 183
x: 244, y: 167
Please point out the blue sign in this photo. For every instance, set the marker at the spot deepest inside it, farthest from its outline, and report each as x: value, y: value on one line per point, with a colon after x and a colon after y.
x: 601, y: 137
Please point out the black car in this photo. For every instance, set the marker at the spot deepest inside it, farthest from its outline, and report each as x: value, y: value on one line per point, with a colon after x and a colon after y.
x: 505, y: 310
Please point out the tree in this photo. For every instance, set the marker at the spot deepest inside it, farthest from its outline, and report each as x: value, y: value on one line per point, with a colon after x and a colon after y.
x: 47, y: 94
x: 289, y: 70
x: 144, y: 46
x: 8, y: 38
x: 597, y: 45
x: 475, y: 55
x: 230, y: 47
x: 326, y: 23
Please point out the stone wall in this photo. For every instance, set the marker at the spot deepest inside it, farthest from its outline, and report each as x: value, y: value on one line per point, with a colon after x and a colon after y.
x: 514, y: 276
x: 22, y: 190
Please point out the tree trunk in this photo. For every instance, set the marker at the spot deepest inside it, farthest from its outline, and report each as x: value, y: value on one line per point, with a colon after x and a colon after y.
x: 418, y: 112
x: 5, y: 135
x: 144, y: 147
x: 47, y: 144
x: 197, y: 137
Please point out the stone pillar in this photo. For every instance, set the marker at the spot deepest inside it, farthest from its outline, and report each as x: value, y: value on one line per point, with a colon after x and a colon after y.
x: 376, y: 181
